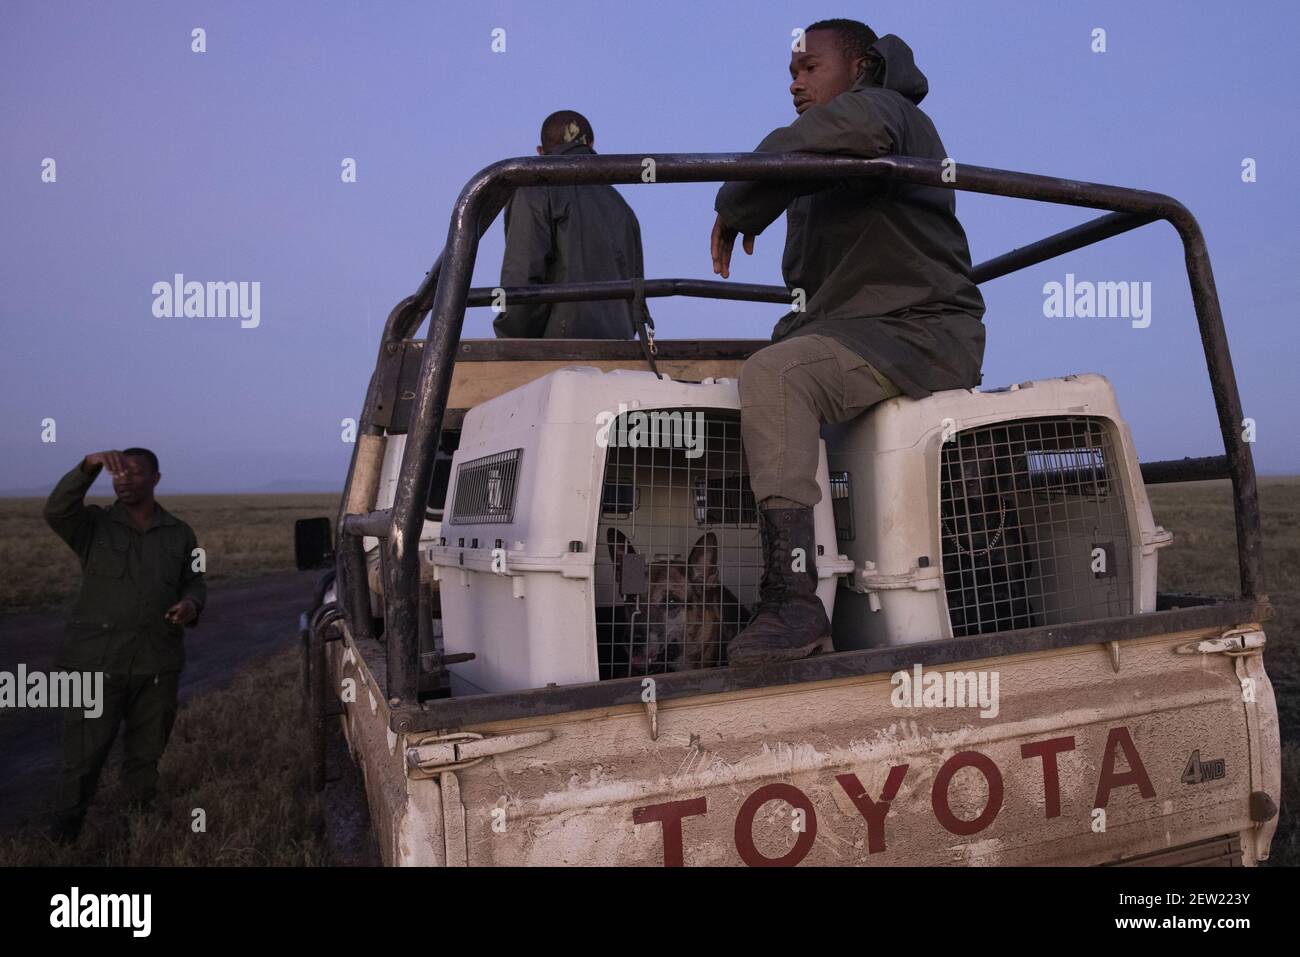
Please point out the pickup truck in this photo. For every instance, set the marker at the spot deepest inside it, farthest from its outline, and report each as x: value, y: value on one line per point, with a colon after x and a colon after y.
x: 476, y: 638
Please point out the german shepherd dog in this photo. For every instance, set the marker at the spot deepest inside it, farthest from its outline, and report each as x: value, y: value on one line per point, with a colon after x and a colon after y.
x: 681, y: 617
x: 988, y: 561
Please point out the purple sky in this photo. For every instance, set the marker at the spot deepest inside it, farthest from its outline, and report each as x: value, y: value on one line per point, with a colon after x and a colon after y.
x: 225, y: 166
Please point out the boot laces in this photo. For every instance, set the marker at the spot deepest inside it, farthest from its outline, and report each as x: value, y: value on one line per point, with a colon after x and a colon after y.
x: 774, y: 589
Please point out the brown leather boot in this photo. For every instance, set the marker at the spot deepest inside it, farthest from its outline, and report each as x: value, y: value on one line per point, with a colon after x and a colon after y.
x: 791, y: 620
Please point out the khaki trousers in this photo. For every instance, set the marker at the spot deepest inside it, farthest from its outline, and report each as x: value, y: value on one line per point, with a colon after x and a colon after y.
x: 786, y: 391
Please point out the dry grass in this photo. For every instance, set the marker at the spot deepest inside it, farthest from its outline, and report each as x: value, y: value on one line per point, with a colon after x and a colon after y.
x: 244, y: 535
x: 241, y: 755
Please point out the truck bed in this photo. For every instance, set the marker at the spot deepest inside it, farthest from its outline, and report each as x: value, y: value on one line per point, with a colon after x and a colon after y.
x: 816, y: 762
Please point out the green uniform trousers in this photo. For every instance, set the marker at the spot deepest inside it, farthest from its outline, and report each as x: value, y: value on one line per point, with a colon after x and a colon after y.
x: 147, y: 704
x: 786, y: 391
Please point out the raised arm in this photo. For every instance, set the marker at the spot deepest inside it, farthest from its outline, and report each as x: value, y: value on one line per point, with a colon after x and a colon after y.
x: 66, y: 511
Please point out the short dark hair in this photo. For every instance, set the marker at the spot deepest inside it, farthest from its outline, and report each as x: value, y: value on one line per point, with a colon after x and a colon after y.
x: 144, y: 454
x: 566, y: 126
x: 854, y: 36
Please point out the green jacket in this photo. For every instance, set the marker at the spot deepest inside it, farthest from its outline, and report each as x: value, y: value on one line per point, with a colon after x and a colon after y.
x: 129, y: 580
x: 559, y: 234
x: 884, y: 266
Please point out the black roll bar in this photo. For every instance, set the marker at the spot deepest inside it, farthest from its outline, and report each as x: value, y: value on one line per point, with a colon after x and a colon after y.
x: 1085, y: 234
x: 446, y: 292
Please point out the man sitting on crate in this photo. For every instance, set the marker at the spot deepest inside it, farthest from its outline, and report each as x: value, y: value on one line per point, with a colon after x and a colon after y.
x: 561, y: 234
x: 889, y: 305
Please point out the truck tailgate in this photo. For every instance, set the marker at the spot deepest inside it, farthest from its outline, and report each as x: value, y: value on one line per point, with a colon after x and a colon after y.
x: 1082, y: 763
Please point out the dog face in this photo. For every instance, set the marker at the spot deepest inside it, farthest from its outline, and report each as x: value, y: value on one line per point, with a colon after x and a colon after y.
x: 676, y: 625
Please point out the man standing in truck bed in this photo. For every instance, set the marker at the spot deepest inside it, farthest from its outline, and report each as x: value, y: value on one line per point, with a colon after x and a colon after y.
x: 561, y: 234
x: 890, y: 305
x: 138, y: 591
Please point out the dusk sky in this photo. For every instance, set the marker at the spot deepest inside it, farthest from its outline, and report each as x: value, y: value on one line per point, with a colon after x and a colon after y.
x: 225, y: 166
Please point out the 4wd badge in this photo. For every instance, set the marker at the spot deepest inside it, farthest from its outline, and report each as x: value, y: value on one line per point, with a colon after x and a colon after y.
x: 1198, y: 770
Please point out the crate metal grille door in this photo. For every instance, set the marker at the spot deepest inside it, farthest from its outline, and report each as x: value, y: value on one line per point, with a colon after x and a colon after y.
x: 679, y: 556
x: 1034, y: 525
x: 485, y: 489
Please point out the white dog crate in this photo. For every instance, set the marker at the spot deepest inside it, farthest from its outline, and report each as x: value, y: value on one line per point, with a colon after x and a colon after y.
x: 971, y: 512
x: 600, y: 524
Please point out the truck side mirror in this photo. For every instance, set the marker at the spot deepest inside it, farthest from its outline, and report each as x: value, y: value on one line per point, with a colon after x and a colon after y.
x: 313, y: 545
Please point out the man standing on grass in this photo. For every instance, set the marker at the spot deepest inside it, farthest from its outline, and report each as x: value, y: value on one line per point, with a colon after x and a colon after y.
x: 891, y: 308
x: 138, y: 591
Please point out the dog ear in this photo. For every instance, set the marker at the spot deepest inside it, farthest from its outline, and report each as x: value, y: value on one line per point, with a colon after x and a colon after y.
x: 702, y: 564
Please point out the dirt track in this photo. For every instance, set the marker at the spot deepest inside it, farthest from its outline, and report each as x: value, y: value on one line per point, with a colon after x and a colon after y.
x: 243, y: 621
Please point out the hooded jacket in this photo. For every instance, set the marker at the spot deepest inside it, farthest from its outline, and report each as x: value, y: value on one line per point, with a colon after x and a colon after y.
x: 884, y: 265
x: 559, y: 234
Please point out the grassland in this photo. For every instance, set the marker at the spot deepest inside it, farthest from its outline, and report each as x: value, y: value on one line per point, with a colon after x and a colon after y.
x: 239, y: 754
x: 239, y: 757
x: 244, y: 536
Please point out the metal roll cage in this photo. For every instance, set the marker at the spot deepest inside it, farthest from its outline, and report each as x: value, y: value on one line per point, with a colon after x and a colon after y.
x: 446, y: 293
